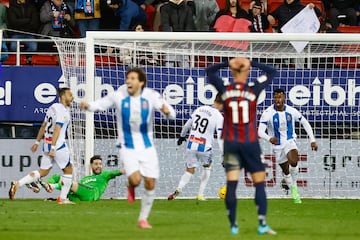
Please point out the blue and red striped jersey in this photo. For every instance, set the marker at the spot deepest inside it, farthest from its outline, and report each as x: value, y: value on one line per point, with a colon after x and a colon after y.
x: 240, y: 120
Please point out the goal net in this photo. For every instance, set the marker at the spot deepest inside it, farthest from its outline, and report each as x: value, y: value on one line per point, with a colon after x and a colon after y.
x: 319, y: 72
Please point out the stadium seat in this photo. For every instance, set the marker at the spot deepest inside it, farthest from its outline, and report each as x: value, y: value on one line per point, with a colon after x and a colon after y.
x: 349, y: 29
x: 273, y: 4
x: 12, y: 60
x: 45, y: 60
x: 106, y: 60
x: 347, y: 62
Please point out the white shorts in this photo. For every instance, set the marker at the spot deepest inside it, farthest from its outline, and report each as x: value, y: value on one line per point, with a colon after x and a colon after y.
x: 146, y: 161
x: 281, y: 152
x: 62, y: 158
x: 194, y: 158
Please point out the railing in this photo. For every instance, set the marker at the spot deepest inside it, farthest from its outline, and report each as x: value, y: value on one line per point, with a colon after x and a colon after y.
x: 22, y: 57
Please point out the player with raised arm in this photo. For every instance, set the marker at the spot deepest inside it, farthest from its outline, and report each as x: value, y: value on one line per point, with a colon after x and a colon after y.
x: 88, y: 188
x: 279, y: 121
x: 203, y: 123
x: 53, y: 132
x: 135, y: 105
x: 241, y: 143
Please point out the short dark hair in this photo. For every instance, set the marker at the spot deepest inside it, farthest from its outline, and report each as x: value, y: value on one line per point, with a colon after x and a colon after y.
x: 218, y: 98
x: 95, y: 157
x: 140, y: 72
x: 279, y: 90
x: 61, y: 91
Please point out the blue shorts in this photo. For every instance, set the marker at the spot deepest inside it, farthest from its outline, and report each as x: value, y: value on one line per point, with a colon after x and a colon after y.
x: 243, y: 155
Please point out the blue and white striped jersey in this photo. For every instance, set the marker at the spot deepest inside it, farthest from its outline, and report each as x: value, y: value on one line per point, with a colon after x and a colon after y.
x: 134, y: 115
x: 281, y: 124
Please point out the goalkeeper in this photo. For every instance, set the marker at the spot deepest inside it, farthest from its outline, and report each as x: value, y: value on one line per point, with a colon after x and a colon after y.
x: 89, y: 188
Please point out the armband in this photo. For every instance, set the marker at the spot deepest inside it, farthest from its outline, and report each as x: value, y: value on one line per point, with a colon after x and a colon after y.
x: 37, y: 142
x: 52, y: 147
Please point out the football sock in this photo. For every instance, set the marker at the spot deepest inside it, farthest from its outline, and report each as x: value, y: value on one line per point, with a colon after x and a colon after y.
x: 66, y: 184
x: 230, y: 201
x: 31, y: 177
x: 294, y: 172
x: 185, y: 179
x: 288, y: 180
x: 261, y: 202
x: 205, y: 175
x: 146, y: 204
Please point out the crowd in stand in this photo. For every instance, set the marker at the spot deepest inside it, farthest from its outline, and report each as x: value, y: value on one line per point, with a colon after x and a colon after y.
x: 24, y: 19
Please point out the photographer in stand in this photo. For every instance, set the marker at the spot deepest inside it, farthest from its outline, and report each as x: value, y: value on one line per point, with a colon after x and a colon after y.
x: 56, y: 19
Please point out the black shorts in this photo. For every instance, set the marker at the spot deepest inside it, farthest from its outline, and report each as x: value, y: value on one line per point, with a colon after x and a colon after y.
x: 243, y: 155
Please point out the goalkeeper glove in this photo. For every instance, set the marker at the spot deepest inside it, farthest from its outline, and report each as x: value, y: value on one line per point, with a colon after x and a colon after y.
x: 181, y: 140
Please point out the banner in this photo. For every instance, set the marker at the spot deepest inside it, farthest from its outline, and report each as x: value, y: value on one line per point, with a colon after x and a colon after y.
x: 331, y: 172
x: 321, y: 95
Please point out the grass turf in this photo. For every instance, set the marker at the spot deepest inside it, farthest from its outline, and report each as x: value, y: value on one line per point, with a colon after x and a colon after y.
x: 178, y: 219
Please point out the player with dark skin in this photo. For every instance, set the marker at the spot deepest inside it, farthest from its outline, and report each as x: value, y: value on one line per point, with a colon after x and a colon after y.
x: 293, y: 155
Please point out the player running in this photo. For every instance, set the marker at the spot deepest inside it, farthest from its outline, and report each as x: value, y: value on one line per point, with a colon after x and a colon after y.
x: 203, y: 123
x: 135, y: 105
x: 53, y: 132
x: 279, y: 121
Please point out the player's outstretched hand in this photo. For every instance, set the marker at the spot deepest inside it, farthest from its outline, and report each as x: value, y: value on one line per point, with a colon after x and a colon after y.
x: 314, y: 146
x: 181, y: 140
x: 84, y: 105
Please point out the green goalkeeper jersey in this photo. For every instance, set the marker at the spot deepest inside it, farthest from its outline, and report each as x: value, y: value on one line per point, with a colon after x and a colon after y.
x: 99, y: 182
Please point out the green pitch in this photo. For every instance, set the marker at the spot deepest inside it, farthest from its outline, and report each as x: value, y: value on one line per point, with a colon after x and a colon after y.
x: 178, y: 219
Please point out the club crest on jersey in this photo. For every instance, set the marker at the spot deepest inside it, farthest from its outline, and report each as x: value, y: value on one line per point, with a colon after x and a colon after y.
x: 288, y: 117
x: 144, y: 105
x: 126, y: 105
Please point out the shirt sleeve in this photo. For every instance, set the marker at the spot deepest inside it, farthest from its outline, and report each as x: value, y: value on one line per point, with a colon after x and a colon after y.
x: 186, y: 127
x: 111, y: 174
x: 102, y: 104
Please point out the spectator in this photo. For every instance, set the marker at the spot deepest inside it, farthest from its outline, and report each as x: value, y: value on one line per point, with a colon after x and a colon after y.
x: 87, y: 16
x: 232, y: 8
x: 176, y: 16
x: 24, y: 18
x: 287, y: 11
x: 258, y: 18
x: 144, y: 58
x: 343, y: 7
x: 108, y: 20
x: 56, y: 19
x: 204, y: 13
x: 129, y: 13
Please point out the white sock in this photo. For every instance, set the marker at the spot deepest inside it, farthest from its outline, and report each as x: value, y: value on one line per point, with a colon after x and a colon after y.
x: 205, y: 175
x: 288, y: 180
x: 66, y: 185
x: 294, y: 173
x: 146, y: 204
x: 29, y: 179
x: 185, y: 179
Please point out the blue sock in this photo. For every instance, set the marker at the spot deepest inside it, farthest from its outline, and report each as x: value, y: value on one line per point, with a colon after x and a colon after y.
x: 231, y: 201
x: 261, y: 202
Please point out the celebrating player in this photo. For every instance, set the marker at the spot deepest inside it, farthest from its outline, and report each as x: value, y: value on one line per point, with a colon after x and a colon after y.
x: 204, y: 122
x: 241, y: 144
x: 135, y: 106
x: 53, y: 131
x: 279, y: 121
x: 89, y: 188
